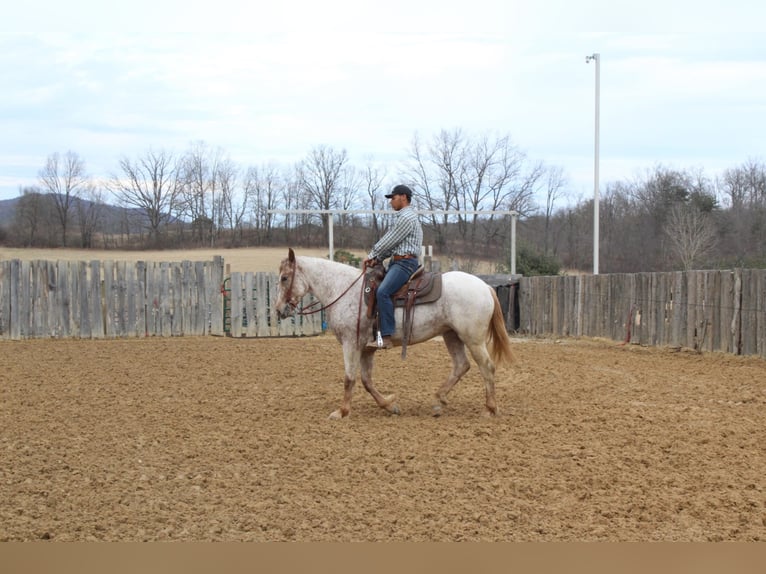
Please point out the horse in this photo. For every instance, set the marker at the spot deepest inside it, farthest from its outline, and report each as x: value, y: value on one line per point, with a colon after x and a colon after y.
x: 468, y: 314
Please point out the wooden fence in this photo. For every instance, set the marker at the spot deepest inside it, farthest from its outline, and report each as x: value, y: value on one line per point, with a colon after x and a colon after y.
x: 110, y: 299
x: 248, y: 311
x: 704, y: 310
x: 107, y: 299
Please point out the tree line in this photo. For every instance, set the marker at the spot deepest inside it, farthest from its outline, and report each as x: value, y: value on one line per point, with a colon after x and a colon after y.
x: 664, y: 219
x: 668, y: 219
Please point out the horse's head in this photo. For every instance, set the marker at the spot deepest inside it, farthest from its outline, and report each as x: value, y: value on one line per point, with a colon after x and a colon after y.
x: 292, y: 286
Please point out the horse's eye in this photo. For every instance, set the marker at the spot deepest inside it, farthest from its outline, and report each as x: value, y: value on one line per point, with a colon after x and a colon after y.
x: 283, y: 278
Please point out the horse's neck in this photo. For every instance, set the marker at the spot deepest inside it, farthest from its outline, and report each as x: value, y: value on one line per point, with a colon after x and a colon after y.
x: 328, y: 279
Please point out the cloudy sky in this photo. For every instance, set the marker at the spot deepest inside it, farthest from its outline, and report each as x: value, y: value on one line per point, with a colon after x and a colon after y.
x: 683, y: 83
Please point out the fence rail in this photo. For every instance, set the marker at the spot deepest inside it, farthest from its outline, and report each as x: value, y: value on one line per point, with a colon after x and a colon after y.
x: 705, y: 310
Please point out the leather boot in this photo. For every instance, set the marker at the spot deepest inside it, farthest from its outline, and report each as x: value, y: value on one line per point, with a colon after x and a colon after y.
x: 387, y: 344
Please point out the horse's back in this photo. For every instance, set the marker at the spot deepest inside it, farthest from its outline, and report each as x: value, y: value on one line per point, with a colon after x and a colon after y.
x: 460, y: 283
x: 465, y: 294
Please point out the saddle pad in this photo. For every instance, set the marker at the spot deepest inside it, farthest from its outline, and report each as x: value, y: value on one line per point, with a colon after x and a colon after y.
x: 427, y: 287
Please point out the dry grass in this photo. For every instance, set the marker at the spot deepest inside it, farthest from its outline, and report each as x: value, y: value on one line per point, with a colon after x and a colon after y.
x: 241, y: 259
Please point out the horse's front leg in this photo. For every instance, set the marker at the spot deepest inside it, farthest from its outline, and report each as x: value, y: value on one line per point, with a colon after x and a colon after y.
x: 387, y: 402
x: 351, y: 366
x: 345, y: 405
x: 352, y: 358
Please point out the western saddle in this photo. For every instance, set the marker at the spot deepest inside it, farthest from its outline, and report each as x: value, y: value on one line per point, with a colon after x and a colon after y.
x: 421, y: 287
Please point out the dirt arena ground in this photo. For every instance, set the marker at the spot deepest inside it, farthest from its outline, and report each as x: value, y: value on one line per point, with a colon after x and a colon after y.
x: 228, y: 440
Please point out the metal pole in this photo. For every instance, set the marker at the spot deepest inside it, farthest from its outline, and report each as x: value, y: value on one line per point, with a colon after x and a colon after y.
x: 331, y: 218
x: 513, y: 244
x: 597, y: 58
x: 596, y: 200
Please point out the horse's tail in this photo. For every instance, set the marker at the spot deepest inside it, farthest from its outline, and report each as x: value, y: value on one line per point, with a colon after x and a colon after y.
x: 497, y: 336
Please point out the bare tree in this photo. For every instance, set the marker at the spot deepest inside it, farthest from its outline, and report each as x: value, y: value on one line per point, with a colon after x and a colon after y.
x: 149, y: 184
x: 230, y: 207
x: 200, y: 187
x: 496, y: 177
x: 554, y: 185
x: 745, y: 186
x: 90, y: 209
x: 459, y: 173
x: 691, y: 233
x: 419, y: 172
x: 576, y: 223
x: 32, y: 217
x: 294, y: 197
x: 350, y: 182
x: 447, y: 154
x: 372, y: 181
x: 262, y: 188
x: 320, y: 177
x: 653, y: 196
x: 65, y: 179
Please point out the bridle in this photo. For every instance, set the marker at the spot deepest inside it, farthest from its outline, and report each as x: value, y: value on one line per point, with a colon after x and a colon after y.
x: 311, y: 308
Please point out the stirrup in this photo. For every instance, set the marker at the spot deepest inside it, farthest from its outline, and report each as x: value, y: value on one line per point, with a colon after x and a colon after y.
x: 384, y: 343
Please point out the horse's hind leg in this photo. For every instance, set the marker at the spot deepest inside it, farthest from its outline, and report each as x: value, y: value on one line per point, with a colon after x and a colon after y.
x: 487, y: 367
x: 387, y: 402
x: 460, y: 366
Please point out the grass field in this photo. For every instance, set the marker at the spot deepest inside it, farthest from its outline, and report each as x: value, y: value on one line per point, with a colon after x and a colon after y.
x: 241, y: 259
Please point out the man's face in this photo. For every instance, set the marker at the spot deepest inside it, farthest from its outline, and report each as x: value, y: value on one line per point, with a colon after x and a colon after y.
x: 398, y: 201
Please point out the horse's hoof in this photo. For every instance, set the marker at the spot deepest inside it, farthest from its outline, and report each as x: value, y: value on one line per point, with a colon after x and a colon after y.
x: 436, y: 410
x: 390, y: 404
x: 335, y: 415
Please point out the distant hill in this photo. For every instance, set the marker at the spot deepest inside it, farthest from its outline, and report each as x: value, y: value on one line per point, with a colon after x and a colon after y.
x: 7, y: 209
x: 113, y: 217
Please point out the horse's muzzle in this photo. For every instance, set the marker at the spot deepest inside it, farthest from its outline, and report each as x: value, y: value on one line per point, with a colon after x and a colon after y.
x: 286, y: 310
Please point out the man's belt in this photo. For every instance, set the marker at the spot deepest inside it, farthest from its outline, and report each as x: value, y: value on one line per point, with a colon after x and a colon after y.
x: 408, y: 256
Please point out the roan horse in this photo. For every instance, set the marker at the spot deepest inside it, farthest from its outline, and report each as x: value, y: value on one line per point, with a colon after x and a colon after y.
x: 468, y: 314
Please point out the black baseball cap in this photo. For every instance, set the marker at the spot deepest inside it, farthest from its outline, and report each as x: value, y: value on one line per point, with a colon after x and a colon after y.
x: 400, y: 189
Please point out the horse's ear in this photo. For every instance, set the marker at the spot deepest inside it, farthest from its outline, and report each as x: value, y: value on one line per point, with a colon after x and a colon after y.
x: 290, y: 255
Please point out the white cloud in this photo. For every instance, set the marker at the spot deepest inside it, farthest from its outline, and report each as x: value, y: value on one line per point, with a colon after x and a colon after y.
x: 681, y: 81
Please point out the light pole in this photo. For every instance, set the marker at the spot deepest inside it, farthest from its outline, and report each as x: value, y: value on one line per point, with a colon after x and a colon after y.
x: 596, y: 57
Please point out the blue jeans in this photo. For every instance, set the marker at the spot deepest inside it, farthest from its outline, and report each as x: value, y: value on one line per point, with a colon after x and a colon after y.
x: 396, y: 276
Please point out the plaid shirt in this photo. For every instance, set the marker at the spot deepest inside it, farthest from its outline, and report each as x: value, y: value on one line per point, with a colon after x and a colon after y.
x: 404, y: 238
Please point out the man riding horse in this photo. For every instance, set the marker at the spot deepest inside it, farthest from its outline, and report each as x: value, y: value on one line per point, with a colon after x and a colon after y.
x: 403, y: 243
